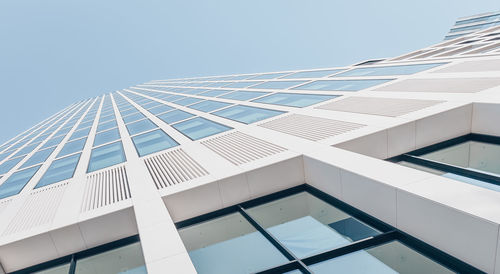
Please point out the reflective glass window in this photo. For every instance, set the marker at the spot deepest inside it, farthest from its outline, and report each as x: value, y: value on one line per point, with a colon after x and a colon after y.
x: 128, y: 111
x: 59, y: 170
x: 389, y: 70
x: 107, y: 125
x: 198, y: 128
x: 133, y: 117
x: 342, y: 85
x: 269, y: 76
x: 294, y: 99
x: 188, y: 101
x: 140, y: 126
x: 80, y: 133
x: 174, y: 116
x: 27, y: 149
x: 160, y: 109
x: 106, y: 136
x: 242, y: 84
x: 207, y: 106
x: 16, y: 182
x: 53, y: 141
x: 84, y: 125
x: 392, y: 257
x: 307, y: 225
x: 106, y: 156
x: 246, y: 114
x: 9, y: 164
x: 152, y: 142
x: 38, y: 157
x: 72, y: 147
x: 215, y: 93
x: 311, y: 74
x: 278, y: 84
x: 243, y: 95
x: 226, y: 244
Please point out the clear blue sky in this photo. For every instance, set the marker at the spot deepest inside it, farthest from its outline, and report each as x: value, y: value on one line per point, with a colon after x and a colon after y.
x: 56, y: 52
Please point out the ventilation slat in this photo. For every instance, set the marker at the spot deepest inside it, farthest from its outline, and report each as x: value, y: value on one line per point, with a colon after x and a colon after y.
x: 106, y: 188
x: 173, y: 167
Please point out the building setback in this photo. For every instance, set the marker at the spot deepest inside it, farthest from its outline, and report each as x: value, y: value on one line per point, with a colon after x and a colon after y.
x: 380, y: 167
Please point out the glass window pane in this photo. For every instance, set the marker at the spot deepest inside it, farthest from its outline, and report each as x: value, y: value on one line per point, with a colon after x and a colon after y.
x: 152, y: 142
x: 59, y: 170
x: 160, y: 109
x: 27, y: 149
x: 214, y: 93
x: 198, y: 128
x: 278, y: 84
x: 294, y: 99
x: 246, y: 114
x: 107, y: 125
x: 125, y: 112
x: 174, y: 116
x: 207, y: 106
x: 175, y: 98
x: 243, y: 95
x: 140, y: 126
x: 80, y: 133
x: 16, y: 182
x: 311, y: 74
x: 229, y: 244
x: 106, y: 136
x: 123, y: 260
x: 188, y: 101
x: 38, y: 157
x: 307, y: 225
x: 53, y: 141
x: 133, y: 117
x: 392, y: 257
x: 242, y: 84
x: 9, y: 164
x: 84, y: 125
x: 390, y: 70
x: 477, y: 156
x: 269, y: 76
x: 72, y: 147
x: 342, y: 85
x: 106, y: 156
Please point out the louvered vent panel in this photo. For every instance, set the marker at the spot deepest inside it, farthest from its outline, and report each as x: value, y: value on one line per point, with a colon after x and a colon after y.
x: 239, y: 148
x: 379, y: 106
x: 106, y: 188
x: 173, y: 167
x: 311, y: 128
x: 38, y: 209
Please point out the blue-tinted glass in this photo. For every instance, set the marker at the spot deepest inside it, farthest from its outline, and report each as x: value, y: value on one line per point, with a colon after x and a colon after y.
x: 243, y: 95
x: 53, y: 141
x: 278, y: 84
x: 80, y: 133
x: 160, y: 109
x: 207, y: 106
x: 59, y: 170
x: 8, y: 165
x: 72, y: 147
x: 188, y: 101
x: 174, y: 116
x: 63, y: 130
x: 4, y: 155
x: 152, y: 142
x: 392, y: 70
x: 345, y: 85
x: 106, y: 136
x: 38, y: 157
x: 311, y: 74
x: 151, y: 104
x: 140, y: 126
x: 133, y: 117
x: 15, y: 183
x: 246, y: 114
x: 175, y: 98
x: 198, y: 128
x: 126, y: 112
x: 84, y: 125
x: 106, y: 125
x: 242, y: 84
x: 294, y: 99
x: 41, y: 138
x: 214, y: 93
x: 269, y: 76
x: 26, y: 149
x: 106, y: 156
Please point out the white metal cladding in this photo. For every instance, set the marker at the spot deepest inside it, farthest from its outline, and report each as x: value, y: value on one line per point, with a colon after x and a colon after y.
x: 453, y: 85
x: 4, y: 204
x: 379, y: 106
x: 311, y: 128
x: 240, y: 148
x: 38, y: 209
x: 105, y: 188
x: 173, y: 167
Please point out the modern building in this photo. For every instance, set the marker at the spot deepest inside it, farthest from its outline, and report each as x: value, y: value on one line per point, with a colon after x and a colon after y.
x: 380, y: 167
x: 470, y: 24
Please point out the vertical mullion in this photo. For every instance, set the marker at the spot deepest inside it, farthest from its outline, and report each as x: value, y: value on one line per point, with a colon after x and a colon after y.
x: 72, y: 265
x: 287, y: 253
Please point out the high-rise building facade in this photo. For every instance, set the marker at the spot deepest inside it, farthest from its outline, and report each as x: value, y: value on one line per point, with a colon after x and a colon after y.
x: 380, y: 167
x: 470, y: 24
